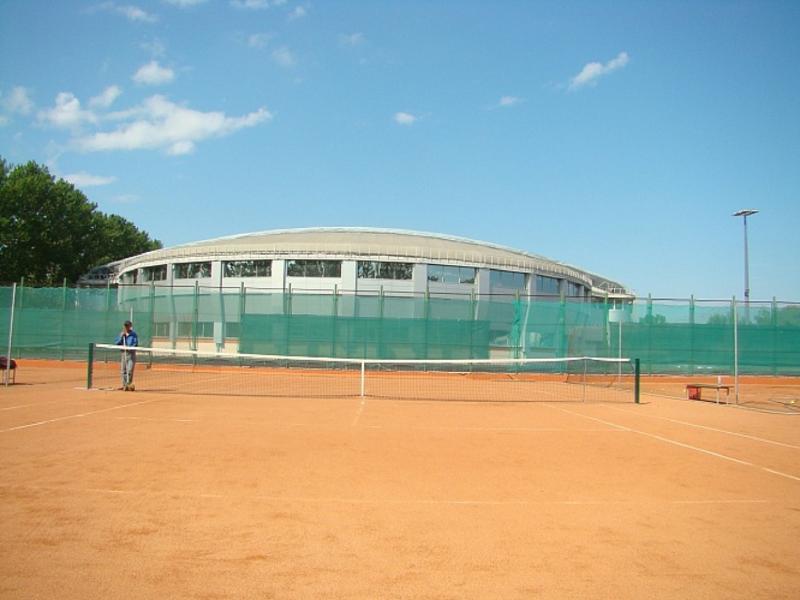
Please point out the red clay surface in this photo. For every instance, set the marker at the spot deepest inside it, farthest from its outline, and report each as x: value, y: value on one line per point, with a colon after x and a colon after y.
x: 163, y: 495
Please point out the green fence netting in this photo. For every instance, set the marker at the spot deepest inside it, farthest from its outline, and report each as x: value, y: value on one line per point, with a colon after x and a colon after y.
x: 675, y: 336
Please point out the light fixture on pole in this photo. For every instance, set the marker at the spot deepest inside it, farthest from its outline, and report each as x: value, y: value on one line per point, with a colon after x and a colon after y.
x: 746, y: 213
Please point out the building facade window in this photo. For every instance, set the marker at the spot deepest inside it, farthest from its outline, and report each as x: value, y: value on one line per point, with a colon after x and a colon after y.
x: 192, y: 270
x: 247, y: 268
x: 547, y: 285
x: 384, y: 270
x: 156, y: 273
x: 508, y: 280
x: 451, y: 274
x: 314, y: 268
x: 129, y: 278
x: 574, y: 289
x: 233, y: 329
x: 204, y: 329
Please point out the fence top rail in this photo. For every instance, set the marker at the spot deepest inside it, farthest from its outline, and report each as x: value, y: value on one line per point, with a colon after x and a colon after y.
x: 522, y: 294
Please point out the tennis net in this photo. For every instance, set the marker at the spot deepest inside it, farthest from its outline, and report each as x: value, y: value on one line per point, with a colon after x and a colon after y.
x: 573, y: 379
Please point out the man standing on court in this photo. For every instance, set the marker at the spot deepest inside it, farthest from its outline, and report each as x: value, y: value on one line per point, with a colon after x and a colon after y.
x: 128, y: 339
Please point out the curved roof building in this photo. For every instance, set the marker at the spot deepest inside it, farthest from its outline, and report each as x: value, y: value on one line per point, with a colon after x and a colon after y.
x: 353, y: 259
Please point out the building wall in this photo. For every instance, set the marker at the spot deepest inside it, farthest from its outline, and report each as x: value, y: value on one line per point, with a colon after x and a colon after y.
x: 485, y: 281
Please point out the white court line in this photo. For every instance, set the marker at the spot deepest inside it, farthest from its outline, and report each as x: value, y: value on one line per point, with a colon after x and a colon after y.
x: 360, y: 410
x: 493, y: 429
x: 384, y: 501
x: 781, y: 474
x: 681, y: 444
x: 742, y: 435
x: 154, y: 419
x: 32, y: 404
x: 86, y: 414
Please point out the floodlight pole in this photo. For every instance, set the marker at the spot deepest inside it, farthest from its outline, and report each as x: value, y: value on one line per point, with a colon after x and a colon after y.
x: 744, y: 214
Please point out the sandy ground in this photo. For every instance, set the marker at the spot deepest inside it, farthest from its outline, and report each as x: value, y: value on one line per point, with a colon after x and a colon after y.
x: 109, y: 494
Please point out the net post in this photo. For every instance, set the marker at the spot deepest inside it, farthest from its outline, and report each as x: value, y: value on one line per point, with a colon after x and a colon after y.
x: 363, y: 374
x: 637, y: 371
x: 7, y: 372
x: 90, y: 366
x: 585, y: 377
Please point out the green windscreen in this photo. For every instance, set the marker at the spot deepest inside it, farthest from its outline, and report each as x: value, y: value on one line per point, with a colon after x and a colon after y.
x: 686, y: 337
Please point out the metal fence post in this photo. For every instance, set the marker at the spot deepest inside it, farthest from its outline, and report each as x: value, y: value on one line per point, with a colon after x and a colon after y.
x: 735, y: 351
x: 7, y: 373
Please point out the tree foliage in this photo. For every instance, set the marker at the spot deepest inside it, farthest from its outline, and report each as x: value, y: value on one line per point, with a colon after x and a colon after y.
x: 49, y: 230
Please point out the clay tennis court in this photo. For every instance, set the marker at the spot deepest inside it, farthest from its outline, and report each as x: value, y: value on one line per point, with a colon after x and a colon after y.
x: 169, y: 495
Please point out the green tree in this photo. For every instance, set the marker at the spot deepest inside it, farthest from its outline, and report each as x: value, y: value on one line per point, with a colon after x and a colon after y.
x: 50, y: 231
x: 120, y: 238
x: 784, y: 316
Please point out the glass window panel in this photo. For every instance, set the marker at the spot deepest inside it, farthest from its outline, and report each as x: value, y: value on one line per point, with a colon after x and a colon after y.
x: 314, y: 268
x: 194, y: 270
x: 446, y: 274
x: 331, y: 268
x: 466, y: 275
x: 294, y: 268
x: 247, y: 268
x: 385, y: 270
x: 129, y: 277
x: 507, y: 280
x: 547, y: 285
x: 205, y: 329
x: 450, y: 274
x: 574, y: 289
x: 156, y: 273
x: 366, y: 269
x: 404, y: 270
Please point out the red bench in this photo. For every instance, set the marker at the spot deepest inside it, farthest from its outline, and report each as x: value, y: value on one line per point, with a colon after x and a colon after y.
x: 11, y: 366
x: 694, y: 390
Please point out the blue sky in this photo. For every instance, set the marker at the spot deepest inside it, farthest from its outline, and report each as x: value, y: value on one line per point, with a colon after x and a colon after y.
x: 615, y: 136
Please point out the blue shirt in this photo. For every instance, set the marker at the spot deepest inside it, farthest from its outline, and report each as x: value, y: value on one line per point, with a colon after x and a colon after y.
x: 127, y: 340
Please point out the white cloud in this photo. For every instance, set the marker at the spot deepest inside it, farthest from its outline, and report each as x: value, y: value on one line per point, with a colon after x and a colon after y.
x: 351, y: 39
x: 67, y: 112
x: 592, y: 71
x: 106, y: 98
x: 283, y: 57
x: 182, y: 147
x: 258, y: 40
x: 298, y: 13
x: 84, y: 179
x: 153, y: 74
x: 507, y: 101
x: 130, y: 12
x: 404, y: 118
x: 184, y: 3
x: 155, y: 48
x: 18, y: 101
x: 161, y: 124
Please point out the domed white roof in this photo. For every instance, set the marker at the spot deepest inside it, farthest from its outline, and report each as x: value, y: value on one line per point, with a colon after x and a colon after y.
x: 375, y: 244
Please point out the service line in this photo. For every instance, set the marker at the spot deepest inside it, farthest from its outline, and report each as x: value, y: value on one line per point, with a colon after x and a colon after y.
x: 79, y: 415
x: 677, y: 443
x: 707, y: 428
